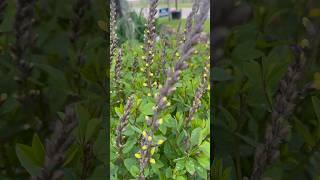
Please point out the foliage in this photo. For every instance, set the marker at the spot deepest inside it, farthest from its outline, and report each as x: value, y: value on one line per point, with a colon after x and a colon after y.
x: 67, y: 66
x: 249, y: 80
x: 178, y: 150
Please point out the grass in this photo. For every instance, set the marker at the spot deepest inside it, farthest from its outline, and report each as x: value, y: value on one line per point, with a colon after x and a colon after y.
x: 175, y: 23
x: 162, y: 5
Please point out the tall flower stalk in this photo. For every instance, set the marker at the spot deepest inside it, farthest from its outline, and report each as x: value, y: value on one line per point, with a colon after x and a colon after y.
x: 113, y: 28
x: 57, y: 147
x: 24, y: 38
x: 118, y: 67
x: 149, y: 40
x: 124, y: 120
x: 173, y: 76
x: 277, y: 129
x: 199, y: 92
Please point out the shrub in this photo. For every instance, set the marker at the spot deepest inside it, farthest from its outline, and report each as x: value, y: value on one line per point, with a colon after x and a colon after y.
x: 266, y: 97
x: 52, y: 73
x: 160, y: 104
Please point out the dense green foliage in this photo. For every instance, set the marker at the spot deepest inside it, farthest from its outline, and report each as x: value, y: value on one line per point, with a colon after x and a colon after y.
x: 254, y: 75
x: 179, y: 133
x: 177, y: 157
x: 68, y: 66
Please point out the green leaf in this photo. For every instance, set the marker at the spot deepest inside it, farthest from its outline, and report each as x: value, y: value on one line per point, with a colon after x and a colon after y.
x: 134, y: 170
x: 304, y: 132
x: 27, y: 159
x: 38, y: 149
x: 180, y: 178
x: 71, y: 154
x: 119, y: 110
x: 129, y: 145
x: 180, y: 164
x: 146, y: 109
x: 83, y: 116
x: 100, y: 146
x: 169, y: 121
x: 230, y: 121
x: 181, y: 140
x: 92, y: 128
x: 190, y: 166
x: 131, y: 165
x: 195, y: 137
x: 204, y: 161
x: 246, y: 51
x: 202, y: 172
x: 205, y: 148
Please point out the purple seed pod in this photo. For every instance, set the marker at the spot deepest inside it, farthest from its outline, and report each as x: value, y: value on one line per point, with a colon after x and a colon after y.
x: 123, y: 122
x: 173, y: 75
x: 277, y: 129
x: 57, y: 146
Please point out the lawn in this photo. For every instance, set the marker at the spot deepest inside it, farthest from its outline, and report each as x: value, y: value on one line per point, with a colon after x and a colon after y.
x: 175, y: 23
x: 161, y: 5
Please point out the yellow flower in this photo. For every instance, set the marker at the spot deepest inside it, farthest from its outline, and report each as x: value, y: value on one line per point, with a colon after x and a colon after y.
x: 149, y: 138
x: 316, y: 81
x: 165, y: 99
x: 154, y: 83
x: 154, y: 108
x: 141, y: 46
x: 144, y: 133
x: 177, y: 54
x: 160, y: 121
x: 160, y: 141
x: 149, y: 94
x: 168, y: 103
x: 209, y: 87
x: 151, y: 74
x: 152, y: 151
x: 144, y: 147
x: 144, y: 84
x: 141, y: 69
x: 147, y: 65
x: 195, y: 52
x: 137, y: 155
x: 143, y: 57
x: 152, y: 161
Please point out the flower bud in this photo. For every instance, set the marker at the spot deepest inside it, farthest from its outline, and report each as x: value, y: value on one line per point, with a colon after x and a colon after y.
x: 152, y: 161
x: 149, y: 138
x: 160, y: 141
x: 137, y: 155
x: 144, y: 147
x: 144, y: 133
x: 152, y: 151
